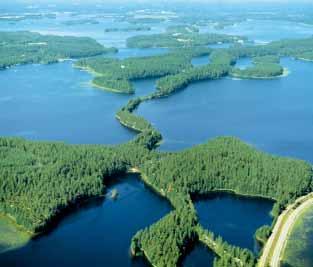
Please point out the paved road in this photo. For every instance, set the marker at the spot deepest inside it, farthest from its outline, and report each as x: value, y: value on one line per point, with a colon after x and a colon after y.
x: 278, y: 239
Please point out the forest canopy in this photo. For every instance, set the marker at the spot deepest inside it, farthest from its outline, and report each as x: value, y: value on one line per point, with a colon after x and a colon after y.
x: 24, y: 47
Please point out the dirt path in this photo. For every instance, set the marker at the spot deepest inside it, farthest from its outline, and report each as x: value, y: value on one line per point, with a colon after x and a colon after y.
x: 275, y: 245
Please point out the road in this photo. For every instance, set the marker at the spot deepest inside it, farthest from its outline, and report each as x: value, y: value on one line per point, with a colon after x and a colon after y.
x: 275, y: 245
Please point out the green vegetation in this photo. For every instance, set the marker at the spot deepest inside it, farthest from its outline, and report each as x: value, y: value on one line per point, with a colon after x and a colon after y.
x: 27, y: 47
x: 263, y: 233
x: 80, y: 22
x: 134, y: 122
x: 286, y: 47
x: 219, y: 67
x: 170, y: 84
x: 258, y: 71
x: 264, y: 67
x: 116, y: 75
x: 305, y: 56
x: 40, y: 180
x: 221, y: 164
x: 114, y: 85
x: 128, y: 29
x: 229, y: 256
x: 222, y: 24
x: 145, y: 20
x: 182, y: 29
x: 12, y: 236
x: 164, y: 242
x: 298, y: 251
x: 226, y: 164
x: 180, y: 39
x: 43, y: 180
x: 16, y: 18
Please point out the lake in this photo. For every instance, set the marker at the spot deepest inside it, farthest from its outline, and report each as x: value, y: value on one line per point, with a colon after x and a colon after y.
x: 56, y: 103
x: 97, y: 233
x: 274, y: 115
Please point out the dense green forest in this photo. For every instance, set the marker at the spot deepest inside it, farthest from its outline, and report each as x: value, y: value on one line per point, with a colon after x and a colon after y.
x: 180, y: 39
x: 39, y: 180
x: 113, y: 84
x: 134, y: 122
x: 287, y: 47
x: 116, y: 75
x: 228, y: 255
x: 219, y: 67
x: 227, y: 163
x: 221, y: 164
x: 28, y: 47
x: 80, y: 22
x: 132, y: 28
x: 181, y: 29
x: 258, y: 71
x: 24, y: 16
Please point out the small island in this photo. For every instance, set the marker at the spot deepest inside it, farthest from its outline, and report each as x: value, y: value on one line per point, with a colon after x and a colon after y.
x: 181, y: 37
x: 25, y: 47
x: 128, y: 29
x: 114, y: 194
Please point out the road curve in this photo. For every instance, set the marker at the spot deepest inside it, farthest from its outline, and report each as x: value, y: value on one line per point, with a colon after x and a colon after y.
x: 275, y: 245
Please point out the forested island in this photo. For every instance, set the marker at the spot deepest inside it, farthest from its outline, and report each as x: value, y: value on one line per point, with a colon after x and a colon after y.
x: 128, y: 29
x: 181, y: 37
x: 80, y: 22
x: 51, y: 184
x: 21, y: 17
x: 24, y: 47
x: 263, y: 68
x: 116, y: 75
x: 41, y: 181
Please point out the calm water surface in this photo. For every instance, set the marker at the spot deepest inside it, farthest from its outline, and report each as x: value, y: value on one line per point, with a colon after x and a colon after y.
x: 273, y: 115
x: 56, y: 102
x: 200, y: 256
x: 234, y: 218
x: 98, y: 233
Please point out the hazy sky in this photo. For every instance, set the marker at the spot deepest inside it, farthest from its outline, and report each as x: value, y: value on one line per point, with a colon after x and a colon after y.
x: 167, y: 1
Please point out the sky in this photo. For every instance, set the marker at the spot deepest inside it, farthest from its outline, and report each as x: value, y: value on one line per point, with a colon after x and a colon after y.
x: 167, y: 1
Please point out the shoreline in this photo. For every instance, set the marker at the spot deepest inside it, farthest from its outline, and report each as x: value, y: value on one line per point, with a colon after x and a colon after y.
x: 274, y: 248
x: 286, y: 72
x: 98, y: 74
x: 305, y: 59
x: 93, y: 84
x: 128, y: 126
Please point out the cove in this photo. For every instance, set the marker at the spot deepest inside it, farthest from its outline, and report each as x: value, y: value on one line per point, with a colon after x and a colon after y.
x: 98, y: 233
x: 273, y: 115
x: 56, y: 103
x: 234, y: 218
x: 200, y: 256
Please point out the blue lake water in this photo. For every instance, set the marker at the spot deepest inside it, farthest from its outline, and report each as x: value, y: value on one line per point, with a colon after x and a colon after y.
x: 55, y: 102
x: 96, y: 234
x: 234, y: 218
x: 200, y: 61
x: 200, y: 256
x: 273, y: 115
x: 264, y: 31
